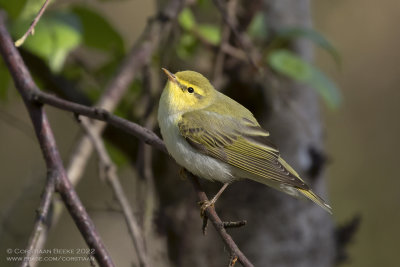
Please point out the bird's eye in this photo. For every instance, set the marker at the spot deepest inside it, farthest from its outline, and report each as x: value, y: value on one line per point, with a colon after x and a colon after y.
x: 190, y: 90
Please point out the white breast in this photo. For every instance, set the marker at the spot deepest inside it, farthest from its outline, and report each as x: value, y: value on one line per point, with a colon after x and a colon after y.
x: 186, y: 156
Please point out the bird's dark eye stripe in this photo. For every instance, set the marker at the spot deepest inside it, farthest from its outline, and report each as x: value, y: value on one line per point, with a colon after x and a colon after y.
x: 190, y: 89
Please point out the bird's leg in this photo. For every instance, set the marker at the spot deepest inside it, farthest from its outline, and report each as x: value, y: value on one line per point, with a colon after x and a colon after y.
x: 206, y: 204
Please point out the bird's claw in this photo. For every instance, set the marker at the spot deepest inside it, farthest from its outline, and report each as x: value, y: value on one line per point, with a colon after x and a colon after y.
x: 203, y: 206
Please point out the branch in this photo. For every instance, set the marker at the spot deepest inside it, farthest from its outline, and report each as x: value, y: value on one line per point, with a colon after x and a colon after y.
x: 32, y: 95
x: 31, y: 29
x: 218, y: 224
x: 139, y: 56
x: 144, y: 135
x: 110, y: 174
x: 24, y: 83
x: 144, y: 152
x: 242, y: 39
x: 41, y: 224
x: 220, y: 56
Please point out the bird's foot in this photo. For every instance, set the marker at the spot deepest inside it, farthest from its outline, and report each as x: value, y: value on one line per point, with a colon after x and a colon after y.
x: 205, y: 205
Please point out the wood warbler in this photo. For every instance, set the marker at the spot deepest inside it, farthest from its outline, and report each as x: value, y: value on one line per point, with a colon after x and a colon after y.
x: 216, y: 138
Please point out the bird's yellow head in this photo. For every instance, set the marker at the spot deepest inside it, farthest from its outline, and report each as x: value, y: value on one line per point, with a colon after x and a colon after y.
x: 187, y: 90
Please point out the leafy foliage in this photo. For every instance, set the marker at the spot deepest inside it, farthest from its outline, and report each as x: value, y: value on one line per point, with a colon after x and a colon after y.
x: 287, y: 63
x: 106, y: 40
x: 210, y: 32
x: 291, y: 65
x: 186, y: 46
x: 194, y: 31
x: 187, y: 20
x: 258, y: 28
x: 314, y: 36
x: 63, y: 31
x: 56, y: 35
x: 13, y: 8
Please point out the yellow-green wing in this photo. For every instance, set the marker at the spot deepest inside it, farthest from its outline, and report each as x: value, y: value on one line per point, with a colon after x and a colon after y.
x: 240, y: 142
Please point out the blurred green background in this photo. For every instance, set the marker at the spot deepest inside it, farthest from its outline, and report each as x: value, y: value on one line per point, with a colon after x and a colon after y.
x: 362, y: 135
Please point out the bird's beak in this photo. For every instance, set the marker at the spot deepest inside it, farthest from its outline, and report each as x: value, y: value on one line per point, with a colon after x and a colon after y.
x: 171, y: 76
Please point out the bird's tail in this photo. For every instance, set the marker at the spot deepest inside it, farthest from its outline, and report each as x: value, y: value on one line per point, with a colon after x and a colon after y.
x: 319, y: 201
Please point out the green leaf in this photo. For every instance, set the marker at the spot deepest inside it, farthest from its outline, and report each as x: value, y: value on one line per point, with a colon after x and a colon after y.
x: 13, y: 7
x: 258, y: 27
x: 186, y: 46
x: 287, y: 63
x: 31, y: 8
x: 313, y: 35
x: 291, y: 65
x: 98, y: 32
x: 55, y: 36
x: 186, y: 19
x: 209, y: 32
x: 326, y: 88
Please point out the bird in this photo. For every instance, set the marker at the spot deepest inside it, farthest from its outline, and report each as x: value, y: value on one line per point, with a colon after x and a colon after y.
x: 216, y: 138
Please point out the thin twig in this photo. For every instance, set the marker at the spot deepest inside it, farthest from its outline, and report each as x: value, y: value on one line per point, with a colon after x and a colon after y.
x: 144, y: 157
x: 146, y: 135
x: 32, y: 96
x: 225, y: 47
x: 110, y: 173
x: 139, y: 55
x: 242, y: 39
x: 220, y: 56
x: 31, y: 29
x: 41, y: 223
x: 218, y: 224
x: 143, y: 134
x: 25, y: 84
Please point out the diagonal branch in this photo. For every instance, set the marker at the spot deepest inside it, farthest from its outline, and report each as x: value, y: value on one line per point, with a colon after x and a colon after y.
x: 219, y: 225
x: 141, y: 53
x: 25, y: 84
x: 143, y: 134
x: 110, y: 174
x: 41, y: 223
x: 31, y: 29
x: 139, y: 56
x: 32, y: 95
x: 147, y: 136
x: 242, y: 39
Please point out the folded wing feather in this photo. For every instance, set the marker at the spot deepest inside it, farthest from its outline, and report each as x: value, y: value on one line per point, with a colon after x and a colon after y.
x: 240, y: 143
